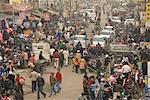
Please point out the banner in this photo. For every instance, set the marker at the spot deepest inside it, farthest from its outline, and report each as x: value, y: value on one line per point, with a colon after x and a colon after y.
x: 148, y: 68
x: 147, y: 10
x: 143, y: 16
x: 22, y: 7
x: 138, y: 1
x: 15, y: 1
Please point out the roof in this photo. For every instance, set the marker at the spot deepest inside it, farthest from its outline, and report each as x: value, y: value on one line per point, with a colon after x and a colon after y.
x: 23, y: 8
x: 115, y: 17
x: 100, y: 36
x: 80, y: 36
x: 120, y: 47
x: 108, y: 27
x: 53, y: 12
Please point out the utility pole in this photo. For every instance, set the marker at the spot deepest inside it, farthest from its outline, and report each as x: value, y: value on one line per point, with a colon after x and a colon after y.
x: 70, y: 6
x: 47, y: 5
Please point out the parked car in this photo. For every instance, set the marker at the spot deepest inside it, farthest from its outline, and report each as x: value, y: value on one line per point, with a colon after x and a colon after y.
x: 80, y: 38
x: 115, y: 19
x: 119, y: 50
x: 108, y: 29
x: 90, y: 14
x: 99, y: 39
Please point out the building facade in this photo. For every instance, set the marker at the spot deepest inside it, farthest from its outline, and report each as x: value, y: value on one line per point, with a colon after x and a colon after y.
x: 4, y: 1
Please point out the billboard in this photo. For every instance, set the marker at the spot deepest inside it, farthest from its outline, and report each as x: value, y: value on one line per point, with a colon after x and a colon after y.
x: 148, y: 66
x: 147, y: 10
x: 15, y: 1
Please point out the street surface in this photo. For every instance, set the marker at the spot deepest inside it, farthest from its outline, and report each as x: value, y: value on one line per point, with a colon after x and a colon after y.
x: 71, y: 85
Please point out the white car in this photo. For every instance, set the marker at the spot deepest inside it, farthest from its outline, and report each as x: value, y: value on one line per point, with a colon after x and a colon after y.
x: 105, y: 35
x: 108, y: 29
x: 80, y: 38
x: 99, y: 39
x: 115, y: 19
x: 90, y: 13
x: 127, y: 21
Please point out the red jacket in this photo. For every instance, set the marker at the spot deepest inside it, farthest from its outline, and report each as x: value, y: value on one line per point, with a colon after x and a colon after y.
x: 59, y: 77
x: 56, y: 55
x: 19, y: 81
x: 91, y: 82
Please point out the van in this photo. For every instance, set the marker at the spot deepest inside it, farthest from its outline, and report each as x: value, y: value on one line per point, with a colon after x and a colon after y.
x: 80, y: 38
x: 90, y: 13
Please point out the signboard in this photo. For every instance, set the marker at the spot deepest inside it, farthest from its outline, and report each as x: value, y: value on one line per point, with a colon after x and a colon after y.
x: 148, y: 66
x: 42, y: 4
x: 147, y: 24
x: 147, y: 10
x: 147, y: 44
x: 6, y: 8
x: 142, y: 16
x: 138, y: 0
x: 44, y: 47
x: 15, y: 1
x: 22, y: 7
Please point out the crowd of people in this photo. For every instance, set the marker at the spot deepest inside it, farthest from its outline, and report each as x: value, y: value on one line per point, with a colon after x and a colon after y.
x: 38, y: 83
x: 16, y: 52
x: 124, y: 79
x: 11, y: 84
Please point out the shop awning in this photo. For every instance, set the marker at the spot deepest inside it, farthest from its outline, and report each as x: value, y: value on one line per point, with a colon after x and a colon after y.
x: 23, y: 8
x: 53, y: 12
x: 16, y: 8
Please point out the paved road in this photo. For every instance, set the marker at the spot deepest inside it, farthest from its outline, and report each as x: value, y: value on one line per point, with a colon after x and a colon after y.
x: 71, y: 86
x: 72, y: 83
x: 92, y: 25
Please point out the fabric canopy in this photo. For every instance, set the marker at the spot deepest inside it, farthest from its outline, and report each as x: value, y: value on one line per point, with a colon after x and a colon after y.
x: 22, y: 8
x: 15, y: 1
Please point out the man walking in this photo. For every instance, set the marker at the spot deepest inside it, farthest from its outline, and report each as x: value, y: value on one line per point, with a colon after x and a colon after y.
x: 51, y: 54
x: 40, y: 84
x: 52, y: 84
x: 61, y: 59
x: 66, y: 56
x: 56, y: 57
x: 59, y: 80
x: 20, y: 82
x: 33, y: 76
x: 25, y: 58
x: 76, y: 62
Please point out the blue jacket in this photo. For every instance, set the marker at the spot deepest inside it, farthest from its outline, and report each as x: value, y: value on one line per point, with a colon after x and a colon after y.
x: 2, y: 71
